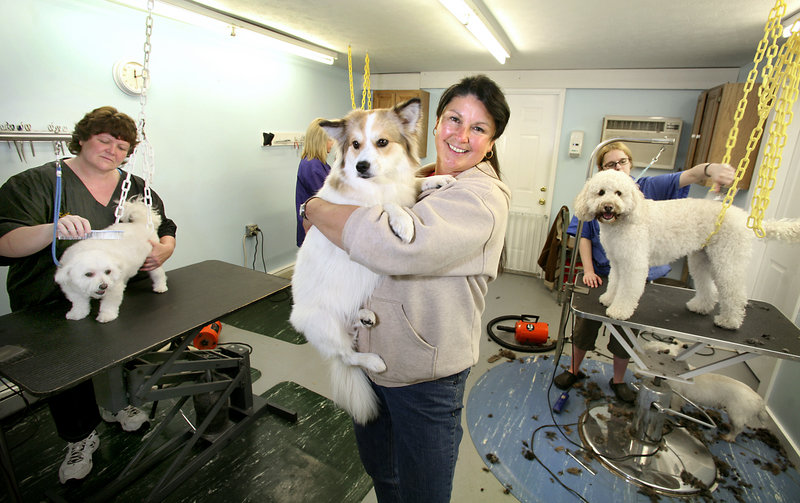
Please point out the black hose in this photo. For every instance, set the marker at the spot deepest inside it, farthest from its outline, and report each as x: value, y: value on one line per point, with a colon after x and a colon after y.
x: 524, y: 348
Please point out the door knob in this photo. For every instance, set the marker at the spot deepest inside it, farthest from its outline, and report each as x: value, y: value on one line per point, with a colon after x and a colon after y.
x: 541, y: 201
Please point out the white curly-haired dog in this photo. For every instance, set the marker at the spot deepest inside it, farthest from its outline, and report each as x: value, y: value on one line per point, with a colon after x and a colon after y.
x: 376, y: 165
x: 744, y: 406
x: 637, y: 233
x: 100, y: 268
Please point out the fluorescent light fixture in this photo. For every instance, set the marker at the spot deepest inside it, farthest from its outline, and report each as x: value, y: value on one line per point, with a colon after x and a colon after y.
x: 197, y: 14
x: 467, y: 16
x: 790, y: 24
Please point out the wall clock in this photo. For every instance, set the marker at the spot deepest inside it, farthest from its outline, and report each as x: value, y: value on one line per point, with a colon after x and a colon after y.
x: 129, y: 77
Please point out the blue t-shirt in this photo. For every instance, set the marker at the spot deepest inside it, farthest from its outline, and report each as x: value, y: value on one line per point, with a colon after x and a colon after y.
x: 657, y: 188
x: 311, y: 175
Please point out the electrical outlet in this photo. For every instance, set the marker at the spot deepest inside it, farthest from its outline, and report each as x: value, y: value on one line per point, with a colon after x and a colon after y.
x: 250, y: 230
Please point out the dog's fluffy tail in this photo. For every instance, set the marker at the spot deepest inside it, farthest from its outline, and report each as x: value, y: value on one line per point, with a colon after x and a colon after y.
x: 353, y: 392
x: 784, y: 230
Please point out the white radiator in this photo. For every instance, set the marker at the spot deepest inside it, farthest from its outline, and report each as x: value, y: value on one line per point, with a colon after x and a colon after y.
x: 525, y: 238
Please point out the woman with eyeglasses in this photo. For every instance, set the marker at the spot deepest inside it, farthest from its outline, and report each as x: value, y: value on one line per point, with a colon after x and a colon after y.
x: 674, y: 185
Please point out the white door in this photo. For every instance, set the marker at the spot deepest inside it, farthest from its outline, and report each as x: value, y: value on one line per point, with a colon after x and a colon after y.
x: 528, y: 153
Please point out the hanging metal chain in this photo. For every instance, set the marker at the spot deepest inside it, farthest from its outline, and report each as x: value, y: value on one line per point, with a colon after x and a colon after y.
x: 143, y: 149
x: 366, y: 95
x: 766, y: 100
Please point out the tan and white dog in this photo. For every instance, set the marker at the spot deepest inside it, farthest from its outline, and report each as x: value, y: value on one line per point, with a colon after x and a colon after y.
x: 637, y: 233
x: 100, y: 268
x: 376, y: 165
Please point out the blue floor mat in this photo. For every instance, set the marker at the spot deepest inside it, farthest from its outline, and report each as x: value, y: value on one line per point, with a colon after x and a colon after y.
x: 509, y: 402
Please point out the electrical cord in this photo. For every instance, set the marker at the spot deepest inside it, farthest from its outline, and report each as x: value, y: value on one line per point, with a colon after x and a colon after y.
x: 264, y: 245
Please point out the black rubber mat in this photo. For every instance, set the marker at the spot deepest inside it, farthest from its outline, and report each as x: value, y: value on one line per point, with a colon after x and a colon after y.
x: 268, y: 317
x: 315, y: 459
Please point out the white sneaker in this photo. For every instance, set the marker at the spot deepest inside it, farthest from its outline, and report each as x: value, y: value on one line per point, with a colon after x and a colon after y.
x: 78, y: 462
x: 130, y: 417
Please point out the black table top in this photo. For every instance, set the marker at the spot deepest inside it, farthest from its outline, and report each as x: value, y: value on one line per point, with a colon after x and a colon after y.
x: 662, y: 309
x: 57, y: 353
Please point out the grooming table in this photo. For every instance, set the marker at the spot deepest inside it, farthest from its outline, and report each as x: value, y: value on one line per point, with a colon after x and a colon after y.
x: 44, y: 353
x: 662, y: 310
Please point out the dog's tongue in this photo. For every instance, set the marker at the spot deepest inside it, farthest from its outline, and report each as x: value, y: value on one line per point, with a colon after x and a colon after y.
x: 608, y: 216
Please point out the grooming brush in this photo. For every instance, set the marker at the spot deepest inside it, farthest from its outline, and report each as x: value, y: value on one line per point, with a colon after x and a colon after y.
x: 96, y: 235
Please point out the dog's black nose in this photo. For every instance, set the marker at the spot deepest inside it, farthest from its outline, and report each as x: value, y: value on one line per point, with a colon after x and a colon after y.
x: 608, y: 208
x: 102, y: 286
x: 362, y: 166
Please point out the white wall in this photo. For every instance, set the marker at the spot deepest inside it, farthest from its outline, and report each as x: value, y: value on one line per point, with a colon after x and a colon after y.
x: 211, y: 99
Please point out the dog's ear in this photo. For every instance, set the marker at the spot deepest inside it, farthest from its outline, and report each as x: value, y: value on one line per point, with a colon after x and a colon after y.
x: 62, y: 273
x: 335, y: 129
x: 409, y: 113
x: 581, y: 204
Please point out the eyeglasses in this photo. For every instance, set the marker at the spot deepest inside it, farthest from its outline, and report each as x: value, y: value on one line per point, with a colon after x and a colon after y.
x: 613, y: 164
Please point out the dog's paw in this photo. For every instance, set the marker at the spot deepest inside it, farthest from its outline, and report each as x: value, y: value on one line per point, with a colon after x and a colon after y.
x: 605, y: 299
x: 403, y: 227
x: 437, y: 181
x: 77, y: 314
x: 619, y: 313
x: 373, y: 362
x: 727, y: 323
x: 366, y: 318
x: 700, y: 306
x: 105, y: 316
x: 160, y: 288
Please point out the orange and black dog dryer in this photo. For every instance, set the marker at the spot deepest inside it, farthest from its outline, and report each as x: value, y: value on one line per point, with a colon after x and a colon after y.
x: 208, y: 336
x: 529, y: 334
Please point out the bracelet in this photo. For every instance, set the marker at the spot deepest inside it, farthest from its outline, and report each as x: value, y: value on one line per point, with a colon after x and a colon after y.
x: 302, y: 211
x: 705, y: 170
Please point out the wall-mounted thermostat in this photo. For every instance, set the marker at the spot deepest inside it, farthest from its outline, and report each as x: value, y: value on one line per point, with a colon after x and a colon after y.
x: 575, y: 143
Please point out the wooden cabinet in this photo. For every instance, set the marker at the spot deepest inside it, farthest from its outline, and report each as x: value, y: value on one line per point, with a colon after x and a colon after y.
x: 386, y: 98
x: 713, y: 119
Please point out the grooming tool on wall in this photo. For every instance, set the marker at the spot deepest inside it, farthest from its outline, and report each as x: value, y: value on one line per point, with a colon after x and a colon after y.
x: 96, y: 235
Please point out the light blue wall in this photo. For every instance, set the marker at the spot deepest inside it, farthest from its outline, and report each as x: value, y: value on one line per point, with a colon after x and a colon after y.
x: 210, y: 101
x: 584, y: 110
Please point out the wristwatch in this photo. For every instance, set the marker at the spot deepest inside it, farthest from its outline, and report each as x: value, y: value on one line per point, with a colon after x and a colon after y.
x: 302, y: 211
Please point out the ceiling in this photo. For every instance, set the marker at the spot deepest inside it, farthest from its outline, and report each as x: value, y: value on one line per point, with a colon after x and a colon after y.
x: 411, y: 36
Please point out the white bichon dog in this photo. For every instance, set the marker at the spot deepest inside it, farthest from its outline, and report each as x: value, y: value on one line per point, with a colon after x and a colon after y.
x: 637, y: 233
x: 744, y: 406
x: 101, y: 268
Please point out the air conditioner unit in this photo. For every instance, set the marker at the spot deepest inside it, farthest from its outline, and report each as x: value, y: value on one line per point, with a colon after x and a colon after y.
x: 645, y: 128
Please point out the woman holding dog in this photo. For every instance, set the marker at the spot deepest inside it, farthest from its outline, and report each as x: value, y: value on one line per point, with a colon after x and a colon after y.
x: 312, y: 171
x: 90, y: 188
x: 618, y: 156
x: 429, y: 303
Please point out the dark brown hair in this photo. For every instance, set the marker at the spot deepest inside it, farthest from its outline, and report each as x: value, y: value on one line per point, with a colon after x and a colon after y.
x: 104, y: 120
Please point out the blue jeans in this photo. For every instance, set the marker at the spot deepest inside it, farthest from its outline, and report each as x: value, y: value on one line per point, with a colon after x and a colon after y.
x: 410, y: 450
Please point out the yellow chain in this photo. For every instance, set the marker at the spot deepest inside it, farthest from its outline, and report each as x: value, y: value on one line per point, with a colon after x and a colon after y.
x: 366, y: 95
x: 772, y: 75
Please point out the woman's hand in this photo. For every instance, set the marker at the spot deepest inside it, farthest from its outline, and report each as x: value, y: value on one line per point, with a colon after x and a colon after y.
x: 592, y: 280
x: 162, y: 250
x: 721, y: 174
x: 73, y: 226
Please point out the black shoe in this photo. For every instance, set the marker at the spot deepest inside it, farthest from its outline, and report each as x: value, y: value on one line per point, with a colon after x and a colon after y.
x: 622, y: 391
x: 566, y: 379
